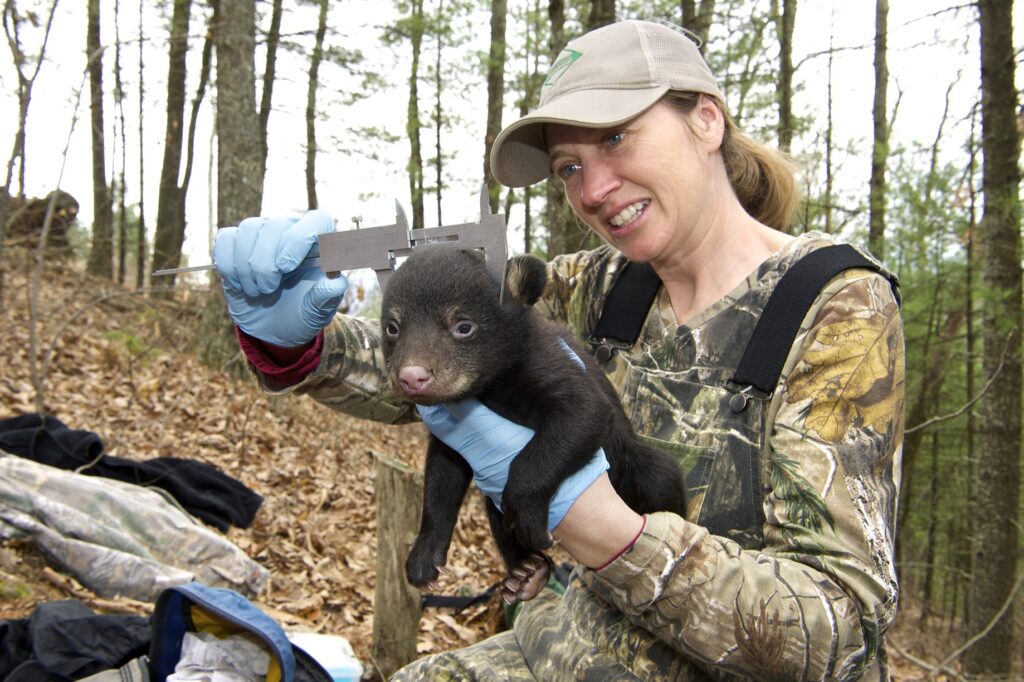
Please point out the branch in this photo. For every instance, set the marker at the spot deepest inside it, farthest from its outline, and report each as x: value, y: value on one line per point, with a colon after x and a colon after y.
x: 991, y: 624
x: 933, y: 669
x: 970, y: 403
x: 37, y: 274
x: 35, y: 371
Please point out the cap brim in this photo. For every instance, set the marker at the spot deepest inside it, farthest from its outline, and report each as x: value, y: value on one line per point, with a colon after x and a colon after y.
x: 519, y: 156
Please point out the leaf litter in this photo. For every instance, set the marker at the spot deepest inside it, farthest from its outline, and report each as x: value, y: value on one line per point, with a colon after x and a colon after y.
x: 118, y: 365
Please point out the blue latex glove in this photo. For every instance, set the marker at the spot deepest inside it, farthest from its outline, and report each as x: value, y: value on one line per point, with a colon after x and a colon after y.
x: 268, y: 296
x: 489, y: 442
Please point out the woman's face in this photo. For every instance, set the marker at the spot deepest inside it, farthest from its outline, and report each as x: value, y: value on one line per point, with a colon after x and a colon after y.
x: 644, y: 185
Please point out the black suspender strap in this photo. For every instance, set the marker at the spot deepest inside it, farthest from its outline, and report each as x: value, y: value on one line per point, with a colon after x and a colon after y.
x: 630, y: 299
x: 776, y: 329
x: 626, y: 307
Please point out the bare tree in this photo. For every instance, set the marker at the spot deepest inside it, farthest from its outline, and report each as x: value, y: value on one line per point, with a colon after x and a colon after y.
x: 121, y: 136
x: 269, y: 76
x: 27, y: 74
x: 495, y: 93
x: 602, y: 13
x: 170, y: 213
x: 557, y: 213
x: 101, y: 256
x: 314, y: 71
x: 239, y: 176
x: 880, y: 150
x: 697, y: 19
x: 786, y: 23
x: 140, y: 240
x: 998, y: 456
x: 412, y: 121
x: 532, y: 79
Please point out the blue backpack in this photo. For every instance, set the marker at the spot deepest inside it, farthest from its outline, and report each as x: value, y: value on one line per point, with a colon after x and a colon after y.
x: 197, y: 607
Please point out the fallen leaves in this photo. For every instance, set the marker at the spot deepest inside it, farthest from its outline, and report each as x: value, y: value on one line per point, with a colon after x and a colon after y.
x: 119, y: 368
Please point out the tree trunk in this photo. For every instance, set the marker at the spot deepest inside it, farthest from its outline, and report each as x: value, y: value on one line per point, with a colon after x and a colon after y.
x: 880, y: 151
x: 997, y: 511
x: 412, y: 120
x: 785, y: 88
x: 170, y: 213
x: 269, y: 71
x: 439, y: 113
x: 101, y: 255
x: 602, y: 13
x: 698, y: 20
x: 197, y: 101
x: 140, y: 239
x: 558, y: 214
x: 239, y: 170
x: 970, y: 344
x: 314, y: 71
x: 495, y: 94
x: 239, y: 157
x: 931, y: 532
x: 933, y: 375
x: 122, y: 214
x: 829, y: 132
x: 396, y: 604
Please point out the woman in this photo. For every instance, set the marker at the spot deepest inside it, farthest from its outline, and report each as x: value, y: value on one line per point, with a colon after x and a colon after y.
x: 783, y: 568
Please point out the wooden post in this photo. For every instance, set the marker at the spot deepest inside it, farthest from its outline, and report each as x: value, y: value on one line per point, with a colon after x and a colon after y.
x: 396, y: 603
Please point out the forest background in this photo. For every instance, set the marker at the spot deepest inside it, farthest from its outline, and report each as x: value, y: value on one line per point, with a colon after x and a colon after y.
x: 906, y: 138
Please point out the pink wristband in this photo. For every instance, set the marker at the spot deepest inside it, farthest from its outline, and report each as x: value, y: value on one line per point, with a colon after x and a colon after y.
x: 627, y: 547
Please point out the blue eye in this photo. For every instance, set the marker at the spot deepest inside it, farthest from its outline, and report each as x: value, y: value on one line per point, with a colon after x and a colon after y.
x: 615, y: 139
x: 568, y: 170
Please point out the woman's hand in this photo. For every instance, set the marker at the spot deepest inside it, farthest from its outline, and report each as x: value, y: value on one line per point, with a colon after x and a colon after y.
x: 490, y: 443
x: 268, y: 295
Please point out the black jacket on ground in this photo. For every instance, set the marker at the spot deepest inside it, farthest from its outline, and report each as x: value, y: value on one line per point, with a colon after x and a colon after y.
x: 200, y: 488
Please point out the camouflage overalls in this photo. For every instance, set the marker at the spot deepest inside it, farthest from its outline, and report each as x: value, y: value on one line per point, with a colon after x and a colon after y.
x: 801, y: 583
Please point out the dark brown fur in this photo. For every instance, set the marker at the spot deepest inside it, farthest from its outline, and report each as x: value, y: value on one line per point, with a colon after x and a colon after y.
x: 512, y: 362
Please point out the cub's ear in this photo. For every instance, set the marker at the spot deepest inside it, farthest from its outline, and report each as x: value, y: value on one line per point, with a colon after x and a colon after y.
x: 525, y: 279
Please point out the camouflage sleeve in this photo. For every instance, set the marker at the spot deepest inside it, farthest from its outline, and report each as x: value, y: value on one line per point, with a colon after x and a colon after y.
x: 815, y: 602
x: 350, y: 377
x: 577, y: 286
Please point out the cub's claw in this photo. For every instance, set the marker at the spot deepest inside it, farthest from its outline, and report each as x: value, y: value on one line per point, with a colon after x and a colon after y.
x: 423, y: 566
x: 526, y: 580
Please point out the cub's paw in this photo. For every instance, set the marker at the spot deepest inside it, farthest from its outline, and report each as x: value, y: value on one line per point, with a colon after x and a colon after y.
x: 421, y: 567
x: 526, y: 580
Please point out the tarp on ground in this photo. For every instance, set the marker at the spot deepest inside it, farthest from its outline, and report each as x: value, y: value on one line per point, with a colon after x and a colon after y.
x: 116, y: 538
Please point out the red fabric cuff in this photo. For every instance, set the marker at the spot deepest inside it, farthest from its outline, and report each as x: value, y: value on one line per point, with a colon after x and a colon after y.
x: 627, y: 547
x: 256, y: 353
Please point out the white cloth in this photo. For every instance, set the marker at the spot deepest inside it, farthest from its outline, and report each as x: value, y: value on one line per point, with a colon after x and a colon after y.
x: 207, y: 658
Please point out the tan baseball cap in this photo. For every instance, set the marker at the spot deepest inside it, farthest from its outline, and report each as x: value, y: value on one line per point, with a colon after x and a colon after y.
x: 603, y: 78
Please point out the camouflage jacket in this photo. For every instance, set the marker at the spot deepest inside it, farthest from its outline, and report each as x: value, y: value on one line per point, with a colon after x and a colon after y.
x: 117, y: 538
x: 783, y: 568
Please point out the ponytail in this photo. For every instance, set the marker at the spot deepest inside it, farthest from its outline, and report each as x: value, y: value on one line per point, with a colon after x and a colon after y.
x: 762, y: 178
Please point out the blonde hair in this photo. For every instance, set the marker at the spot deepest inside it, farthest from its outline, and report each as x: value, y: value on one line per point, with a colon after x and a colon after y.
x: 762, y: 178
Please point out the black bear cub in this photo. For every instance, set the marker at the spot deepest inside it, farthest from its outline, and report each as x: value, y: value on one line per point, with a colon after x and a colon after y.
x: 450, y: 331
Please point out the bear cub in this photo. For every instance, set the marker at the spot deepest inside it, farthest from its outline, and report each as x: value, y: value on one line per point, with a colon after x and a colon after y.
x: 451, y: 331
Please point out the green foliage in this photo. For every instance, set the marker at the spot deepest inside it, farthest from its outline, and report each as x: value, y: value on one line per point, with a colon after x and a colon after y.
x: 13, y: 590
x: 129, y: 341
x: 928, y: 232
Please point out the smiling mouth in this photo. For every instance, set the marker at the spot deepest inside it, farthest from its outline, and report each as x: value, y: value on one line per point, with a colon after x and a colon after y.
x: 628, y: 214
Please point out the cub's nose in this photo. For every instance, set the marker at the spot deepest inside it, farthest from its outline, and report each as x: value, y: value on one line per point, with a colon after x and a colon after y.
x: 414, y: 379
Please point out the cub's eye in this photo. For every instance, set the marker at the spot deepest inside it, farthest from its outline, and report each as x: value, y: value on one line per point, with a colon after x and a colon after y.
x: 392, y: 329
x: 568, y: 170
x: 463, y: 329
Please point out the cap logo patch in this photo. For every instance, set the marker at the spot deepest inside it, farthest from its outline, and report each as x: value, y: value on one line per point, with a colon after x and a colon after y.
x: 565, y: 59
